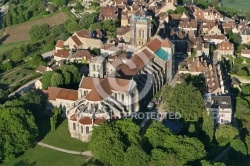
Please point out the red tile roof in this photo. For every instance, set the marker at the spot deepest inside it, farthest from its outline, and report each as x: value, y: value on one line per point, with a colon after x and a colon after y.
x: 85, y: 120
x: 154, y: 45
x: 100, y: 120
x: 83, y: 33
x: 76, y: 40
x: 60, y: 43
x: 62, y: 53
x: 167, y: 43
x: 41, y: 69
x: 60, y: 93
x: 245, y: 51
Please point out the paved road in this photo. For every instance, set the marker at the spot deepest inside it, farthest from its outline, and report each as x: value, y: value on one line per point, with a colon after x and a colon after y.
x: 25, y: 87
x: 85, y: 153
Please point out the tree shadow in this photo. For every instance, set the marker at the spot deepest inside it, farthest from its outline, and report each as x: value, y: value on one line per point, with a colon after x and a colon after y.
x: 25, y: 163
x: 2, y: 39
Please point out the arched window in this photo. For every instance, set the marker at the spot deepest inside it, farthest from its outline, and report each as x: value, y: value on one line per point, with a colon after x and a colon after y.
x: 81, y: 129
x: 94, y: 67
x: 74, y: 126
x: 87, y: 130
x: 122, y: 97
x: 142, y: 32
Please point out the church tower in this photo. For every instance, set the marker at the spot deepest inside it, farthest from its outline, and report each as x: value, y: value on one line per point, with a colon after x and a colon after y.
x: 141, y: 29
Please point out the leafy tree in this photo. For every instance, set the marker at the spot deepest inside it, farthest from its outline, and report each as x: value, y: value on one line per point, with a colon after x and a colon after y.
x: 18, y: 132
x: 186, y: 149
x: 67, y: 77
x: 34, y: 102
x: 75, y: 75
x: 135, y: 156
x: 157, y: 133
x: 170, y: 11
x: 184, y: 99
x: 162, y: 158
x: 63, y: 36
x: 46, y: 79
x: 180, y: 10
x: 207, y: 163
x: 60, y: 2
x: 106, y: 145
x: 242, y: 72
x: 225, y: 133
x: 39, y: 32
x: 208, y: 127
x: 247, y: 141
x: 238, y: 152
x: 130, y: 131
x: 73, y: 26
x: 56, y: 79
x: 87, y: 20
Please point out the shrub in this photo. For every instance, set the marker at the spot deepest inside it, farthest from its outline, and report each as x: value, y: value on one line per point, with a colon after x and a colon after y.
x: 248, y: 60
x: 238, y: 60
x: 242, y: 72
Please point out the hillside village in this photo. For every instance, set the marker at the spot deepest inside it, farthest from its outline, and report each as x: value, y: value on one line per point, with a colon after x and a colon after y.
x: 152, y: 53
x: 189, y: 35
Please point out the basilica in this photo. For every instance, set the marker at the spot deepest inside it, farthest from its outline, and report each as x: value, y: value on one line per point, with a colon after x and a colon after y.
x: 116, y: 84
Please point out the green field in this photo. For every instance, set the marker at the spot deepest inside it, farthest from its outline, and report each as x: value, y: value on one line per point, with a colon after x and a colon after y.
x: 41, y: 156
x: 9, y: 46
x: 61, y: 138
x: 243, y: 5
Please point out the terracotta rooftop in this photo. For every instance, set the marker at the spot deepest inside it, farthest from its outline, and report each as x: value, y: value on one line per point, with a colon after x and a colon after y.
x: 62, y: 53
x: 59, y: 43
x: 136, y: 63
x: 85, y: 120
x: 41, y: 69
x: 73, y: 117
x: 99, y: 93
x: 76, y: 40
x: 167, y: 43
x: 100, y: 120
x: 83, y: 33
x: 82, y: 54
x: 154, y: 45
x: 60, y: 93
x: 225, y: 45
x: 89, y: 82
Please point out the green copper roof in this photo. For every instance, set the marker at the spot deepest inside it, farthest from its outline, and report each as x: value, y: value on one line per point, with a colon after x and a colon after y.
x: 162, y: 54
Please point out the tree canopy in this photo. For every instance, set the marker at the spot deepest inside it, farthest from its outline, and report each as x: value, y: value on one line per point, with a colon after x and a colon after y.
x: 18, y: 132
x: 225, y: 133
x: 185, y: 99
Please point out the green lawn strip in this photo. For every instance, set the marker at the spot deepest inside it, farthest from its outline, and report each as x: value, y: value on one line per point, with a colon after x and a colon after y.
x: 240, y: 5
x: 9, y: 46
x: 61, y: 138
x: 42, y: 156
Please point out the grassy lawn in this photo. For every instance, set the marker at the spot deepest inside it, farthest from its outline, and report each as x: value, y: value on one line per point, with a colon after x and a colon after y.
x: 9, y: 46
x: 237, y: 4
x: 61, y: 138
x: 40, y: 156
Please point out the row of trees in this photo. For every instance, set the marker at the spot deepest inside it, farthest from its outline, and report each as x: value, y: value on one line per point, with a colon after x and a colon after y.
x: 62, y: 77
x: 20, y: 11
x: 120, y: 142
x: 17, y: 126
